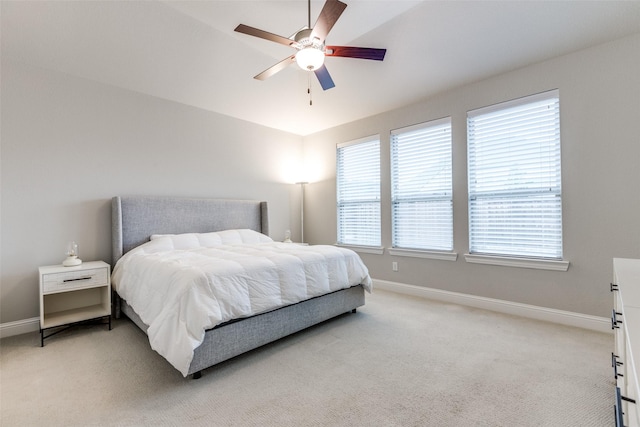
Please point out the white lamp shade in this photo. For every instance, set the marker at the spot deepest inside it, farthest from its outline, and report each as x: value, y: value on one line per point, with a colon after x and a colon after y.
x: 310, y: 58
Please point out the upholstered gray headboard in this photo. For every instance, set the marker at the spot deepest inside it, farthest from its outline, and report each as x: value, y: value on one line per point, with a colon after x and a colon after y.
x: 135, y: 218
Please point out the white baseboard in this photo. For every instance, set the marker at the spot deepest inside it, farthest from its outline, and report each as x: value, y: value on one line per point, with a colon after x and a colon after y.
x: 594, y: 323
x: 585, y: 321
x: 19, y: 327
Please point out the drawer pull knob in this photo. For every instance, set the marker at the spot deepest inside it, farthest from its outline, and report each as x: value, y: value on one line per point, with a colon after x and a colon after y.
x: 77, y: 279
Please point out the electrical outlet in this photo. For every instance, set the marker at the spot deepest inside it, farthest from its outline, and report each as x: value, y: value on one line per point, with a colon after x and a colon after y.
x: 394, y: 265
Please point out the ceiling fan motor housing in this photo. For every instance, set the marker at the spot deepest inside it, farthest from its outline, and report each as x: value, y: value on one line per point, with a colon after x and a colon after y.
x: 303, y: 39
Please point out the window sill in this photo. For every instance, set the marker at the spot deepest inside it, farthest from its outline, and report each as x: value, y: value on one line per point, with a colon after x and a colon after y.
x: 416, y: 253
x: 364, y: 249
x: 540, y: 264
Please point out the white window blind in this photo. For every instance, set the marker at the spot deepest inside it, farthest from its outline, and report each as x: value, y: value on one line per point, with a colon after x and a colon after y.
x: 358, y: 192
x: 515, y: 197
x: 421, y: 186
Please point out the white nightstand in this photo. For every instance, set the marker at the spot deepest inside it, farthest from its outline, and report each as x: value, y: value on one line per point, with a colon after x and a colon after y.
x: 73, y: 294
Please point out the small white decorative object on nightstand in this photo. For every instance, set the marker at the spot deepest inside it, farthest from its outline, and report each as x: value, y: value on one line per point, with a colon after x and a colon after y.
x: 72, y: 255
x: 74, y: 294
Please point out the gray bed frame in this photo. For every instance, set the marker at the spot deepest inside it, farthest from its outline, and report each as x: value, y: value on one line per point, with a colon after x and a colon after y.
x: 136, y: 218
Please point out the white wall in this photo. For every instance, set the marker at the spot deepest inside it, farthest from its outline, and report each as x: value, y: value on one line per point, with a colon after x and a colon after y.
x: 600, y: 121
x: 68, y: 145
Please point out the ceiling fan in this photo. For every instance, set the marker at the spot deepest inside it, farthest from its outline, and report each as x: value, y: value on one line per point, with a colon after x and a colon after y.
x: 310, y: 45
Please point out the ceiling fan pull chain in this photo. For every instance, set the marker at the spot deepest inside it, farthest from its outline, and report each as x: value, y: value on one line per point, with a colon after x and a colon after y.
x: 309, y: 88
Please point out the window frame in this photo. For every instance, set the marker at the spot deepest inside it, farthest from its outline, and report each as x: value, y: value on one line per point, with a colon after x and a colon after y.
x: 423, y: 141
x: 360, y: 246
x: 552, y: 197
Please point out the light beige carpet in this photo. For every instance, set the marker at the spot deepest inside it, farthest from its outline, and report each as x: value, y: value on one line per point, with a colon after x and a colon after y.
x: 399, y: 361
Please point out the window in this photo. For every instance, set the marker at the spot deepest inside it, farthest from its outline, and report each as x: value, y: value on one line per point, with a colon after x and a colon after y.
x: 421, y: 186
x: 358, y: 192
x: 515, y: 197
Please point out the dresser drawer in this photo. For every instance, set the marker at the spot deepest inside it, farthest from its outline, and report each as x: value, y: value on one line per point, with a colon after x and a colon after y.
x: 76, y: 279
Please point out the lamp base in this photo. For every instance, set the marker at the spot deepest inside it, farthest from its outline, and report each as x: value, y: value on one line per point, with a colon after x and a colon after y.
x: 71, y: 261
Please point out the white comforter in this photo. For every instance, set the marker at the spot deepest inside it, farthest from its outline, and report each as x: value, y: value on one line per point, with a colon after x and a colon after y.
x: 182, y: 285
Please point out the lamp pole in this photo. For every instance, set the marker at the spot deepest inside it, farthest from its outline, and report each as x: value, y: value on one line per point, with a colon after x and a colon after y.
x: 302, y: 184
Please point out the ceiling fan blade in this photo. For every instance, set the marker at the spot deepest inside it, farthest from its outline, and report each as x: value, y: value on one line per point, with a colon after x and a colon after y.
x: 275, y: 68
x: 356, y: 52
x: 324, y: 78
x: 245, y: 29
x: 329, y: 14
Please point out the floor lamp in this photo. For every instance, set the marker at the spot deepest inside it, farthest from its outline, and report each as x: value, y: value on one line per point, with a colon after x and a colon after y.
x: 302, y: 184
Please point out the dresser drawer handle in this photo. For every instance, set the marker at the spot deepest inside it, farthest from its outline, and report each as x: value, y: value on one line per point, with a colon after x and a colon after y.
x: 614, y: 364
x: 77, y: 279
x: 614, y: 320
x: 617, y: 409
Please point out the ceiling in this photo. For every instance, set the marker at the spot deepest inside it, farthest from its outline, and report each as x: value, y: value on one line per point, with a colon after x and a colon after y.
x: 187, y: 51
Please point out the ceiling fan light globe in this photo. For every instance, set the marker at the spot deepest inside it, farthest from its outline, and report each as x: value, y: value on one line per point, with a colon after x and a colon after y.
x: 310, y: 58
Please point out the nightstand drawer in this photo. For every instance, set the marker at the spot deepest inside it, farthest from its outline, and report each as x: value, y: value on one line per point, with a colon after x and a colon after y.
x: 76, y: 279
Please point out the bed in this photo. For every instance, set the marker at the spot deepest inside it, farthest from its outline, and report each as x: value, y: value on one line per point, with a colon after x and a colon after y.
x: 142, y: 226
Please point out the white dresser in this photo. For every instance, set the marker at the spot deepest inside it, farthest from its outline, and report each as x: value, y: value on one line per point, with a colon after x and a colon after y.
x: 625, y: 321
